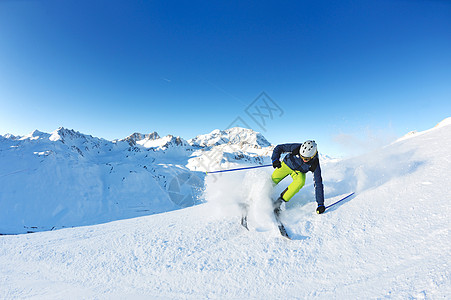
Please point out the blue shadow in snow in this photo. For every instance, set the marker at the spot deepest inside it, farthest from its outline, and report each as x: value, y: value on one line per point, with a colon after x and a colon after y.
x: 297, y: 237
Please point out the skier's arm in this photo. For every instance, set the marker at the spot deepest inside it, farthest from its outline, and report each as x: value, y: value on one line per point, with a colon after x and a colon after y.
x: 282, y: 148
x: 319, y: 189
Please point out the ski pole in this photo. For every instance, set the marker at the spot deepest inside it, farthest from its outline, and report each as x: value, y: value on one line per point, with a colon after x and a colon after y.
x: 238, y: 169
x: 340, y: 200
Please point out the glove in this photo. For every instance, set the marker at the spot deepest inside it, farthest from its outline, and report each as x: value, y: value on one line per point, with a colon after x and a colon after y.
x: 276, y: 164
x: 320, y: 209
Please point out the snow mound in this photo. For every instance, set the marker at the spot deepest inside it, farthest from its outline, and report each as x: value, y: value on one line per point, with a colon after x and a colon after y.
x: 444, y: 122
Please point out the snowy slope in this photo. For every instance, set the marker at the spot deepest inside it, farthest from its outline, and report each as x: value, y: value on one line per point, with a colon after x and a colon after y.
x: 392, y: 240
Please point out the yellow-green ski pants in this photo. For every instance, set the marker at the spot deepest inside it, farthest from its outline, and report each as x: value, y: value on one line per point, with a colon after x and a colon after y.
x: 295, y: 186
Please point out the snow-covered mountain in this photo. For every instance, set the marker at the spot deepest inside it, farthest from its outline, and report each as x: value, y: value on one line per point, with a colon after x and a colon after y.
x: 133, y: 138
x: 66, y: 178
x: 389, y: 241
x: 237, y: 136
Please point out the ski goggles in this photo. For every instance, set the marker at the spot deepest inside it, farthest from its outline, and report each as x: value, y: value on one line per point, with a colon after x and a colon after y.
x: 306, y: 159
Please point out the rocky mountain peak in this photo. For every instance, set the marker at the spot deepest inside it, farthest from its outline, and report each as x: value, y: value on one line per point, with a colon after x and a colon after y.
x: 135, y: 137
x: 235, y: 135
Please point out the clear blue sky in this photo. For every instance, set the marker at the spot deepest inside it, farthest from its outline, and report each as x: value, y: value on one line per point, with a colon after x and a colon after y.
x: 351, y: 73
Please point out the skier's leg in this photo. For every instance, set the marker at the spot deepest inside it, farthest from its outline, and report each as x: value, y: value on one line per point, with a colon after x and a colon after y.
x: 281, y: 173
x: 277, y: 176
x: 295, y: 186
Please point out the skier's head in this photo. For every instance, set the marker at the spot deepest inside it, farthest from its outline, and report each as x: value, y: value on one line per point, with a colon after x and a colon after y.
x: 308, y: 150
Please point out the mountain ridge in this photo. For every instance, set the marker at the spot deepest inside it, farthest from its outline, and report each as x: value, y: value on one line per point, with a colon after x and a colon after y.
x: 67, y: 178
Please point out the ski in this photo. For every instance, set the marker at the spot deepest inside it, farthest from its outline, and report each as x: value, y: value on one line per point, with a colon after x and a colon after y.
x: 280, y: 225
x: 244, y: 221
x: 244, y: 215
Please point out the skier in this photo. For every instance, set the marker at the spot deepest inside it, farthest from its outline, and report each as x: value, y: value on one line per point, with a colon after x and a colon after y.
x: 301, y: 158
